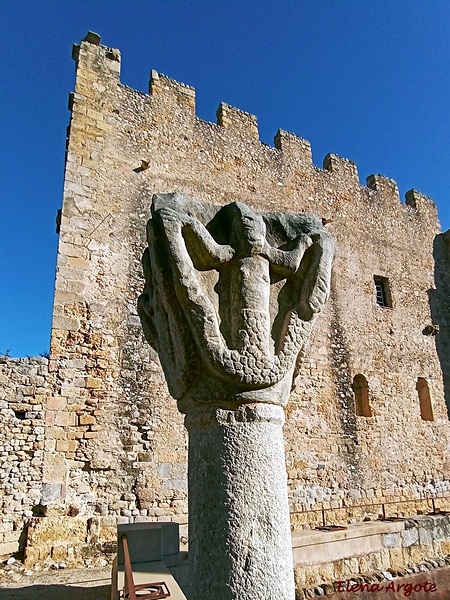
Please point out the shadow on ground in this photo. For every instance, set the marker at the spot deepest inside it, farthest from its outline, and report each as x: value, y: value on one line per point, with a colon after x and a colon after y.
x: 56, y: 592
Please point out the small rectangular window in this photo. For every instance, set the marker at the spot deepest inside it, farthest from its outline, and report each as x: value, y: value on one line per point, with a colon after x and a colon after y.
x: 382, y: 292
x: 426, y: 411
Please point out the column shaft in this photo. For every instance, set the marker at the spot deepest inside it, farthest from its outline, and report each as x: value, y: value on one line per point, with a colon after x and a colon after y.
x: 239, y: 532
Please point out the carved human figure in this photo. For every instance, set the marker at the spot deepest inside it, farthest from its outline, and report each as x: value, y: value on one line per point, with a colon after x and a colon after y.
x: 228, y: 304
x: 238, y: 342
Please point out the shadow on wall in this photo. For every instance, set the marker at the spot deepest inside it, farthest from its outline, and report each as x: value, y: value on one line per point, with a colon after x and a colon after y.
x: 343, y: 384
x: 440, y: 308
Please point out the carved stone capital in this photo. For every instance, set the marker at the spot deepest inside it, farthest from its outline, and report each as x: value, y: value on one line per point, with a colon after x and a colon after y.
x: 230, y: 298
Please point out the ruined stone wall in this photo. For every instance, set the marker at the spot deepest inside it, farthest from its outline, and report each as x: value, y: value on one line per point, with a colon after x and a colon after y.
x: 115, y: 444
x: 23, y: 390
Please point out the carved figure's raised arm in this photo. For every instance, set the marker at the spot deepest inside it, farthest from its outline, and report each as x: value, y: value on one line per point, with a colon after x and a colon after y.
x: 316, y: 285
x: 286, y: 262
x: 307, y: 289
x: 204, y: 251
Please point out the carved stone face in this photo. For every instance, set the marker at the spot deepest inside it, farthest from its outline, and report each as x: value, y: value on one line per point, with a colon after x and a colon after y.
x: 248, y: 235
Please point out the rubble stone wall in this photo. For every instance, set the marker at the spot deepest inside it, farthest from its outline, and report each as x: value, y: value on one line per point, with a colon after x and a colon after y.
x: 23, y: 389
x: 115, y: 444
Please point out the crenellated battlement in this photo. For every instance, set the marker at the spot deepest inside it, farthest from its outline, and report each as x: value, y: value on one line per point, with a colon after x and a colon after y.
x: 418, y: 201
x: 171, y: 91
x: 386, y: 187
x: 90, y: 45
x: 171, y: 103
x: 294, y: 146
x: 342, y: 167
x: 238, y: 120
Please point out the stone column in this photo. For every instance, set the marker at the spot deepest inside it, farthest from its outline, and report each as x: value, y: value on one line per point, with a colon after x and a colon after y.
x: 229, y: 303
x: 239, y: 533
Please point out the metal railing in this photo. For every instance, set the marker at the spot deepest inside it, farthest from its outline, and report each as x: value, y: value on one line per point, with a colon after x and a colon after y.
x: 383, y: 505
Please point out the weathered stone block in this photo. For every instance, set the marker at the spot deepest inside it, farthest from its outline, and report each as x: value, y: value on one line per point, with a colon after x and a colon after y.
x: 409, y: 537
x: 326, y: 572
x: 32, y: 556
x: 59, y: 552
x: 391, y: 540
x: 300, y: 577
x: 427, y: 536
x: 87, y: 420
x: 66, y: 323
x: 93, y: 382
x: 397, y: 558
x: 65, y: 418
x: 51, y: 530
x: 311, y: 576
x: 7, y: 549
x: 52, y: 492
x: 6, y: 527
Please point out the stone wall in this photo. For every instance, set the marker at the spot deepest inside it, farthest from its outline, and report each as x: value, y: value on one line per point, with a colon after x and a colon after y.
x: 356, y: 433
x: 369, y: 552
x: 23, y: 389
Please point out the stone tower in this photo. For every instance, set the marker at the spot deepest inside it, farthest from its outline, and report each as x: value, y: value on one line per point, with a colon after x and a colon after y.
x: 367, y: 420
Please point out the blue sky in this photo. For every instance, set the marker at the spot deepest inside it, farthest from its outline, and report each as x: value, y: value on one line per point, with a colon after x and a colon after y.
x: 367, y: 80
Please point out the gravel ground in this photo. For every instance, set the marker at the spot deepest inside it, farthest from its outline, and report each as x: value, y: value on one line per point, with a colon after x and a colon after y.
x: 67, y: 584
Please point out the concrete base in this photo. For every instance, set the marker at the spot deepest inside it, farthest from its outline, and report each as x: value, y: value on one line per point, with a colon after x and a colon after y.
x: 155, y: 556
x: 313, y: 547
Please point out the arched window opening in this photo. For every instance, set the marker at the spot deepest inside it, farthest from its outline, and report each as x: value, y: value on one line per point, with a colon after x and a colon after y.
x: 426, y: 411
x: 361, y: 391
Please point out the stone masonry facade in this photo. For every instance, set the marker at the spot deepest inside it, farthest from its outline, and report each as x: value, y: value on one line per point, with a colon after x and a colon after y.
x: 23, y: 393
x: 91, y: 437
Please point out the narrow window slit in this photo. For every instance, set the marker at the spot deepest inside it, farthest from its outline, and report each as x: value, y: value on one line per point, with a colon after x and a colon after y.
x: 426, y: 410
x: 361, y: 390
